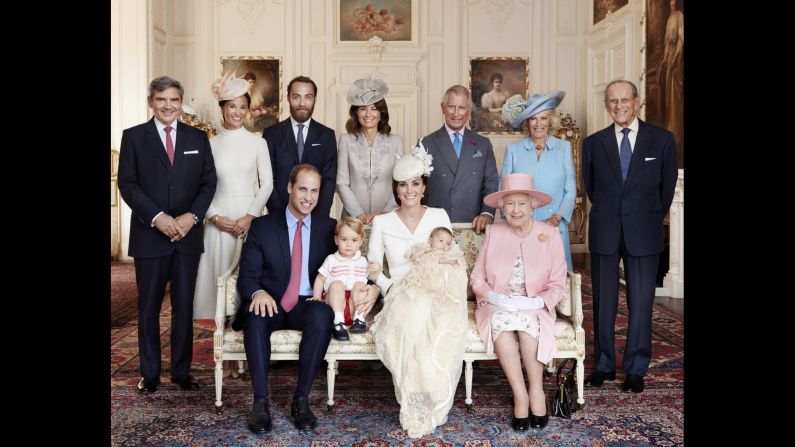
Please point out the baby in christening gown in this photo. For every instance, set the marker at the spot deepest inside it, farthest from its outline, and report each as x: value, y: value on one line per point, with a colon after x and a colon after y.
x: 422, y: 341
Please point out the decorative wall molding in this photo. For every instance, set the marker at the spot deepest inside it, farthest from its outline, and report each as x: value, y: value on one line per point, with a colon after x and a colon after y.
x: 499, y: 11
x: 376, y: 45
x: 251, y: 11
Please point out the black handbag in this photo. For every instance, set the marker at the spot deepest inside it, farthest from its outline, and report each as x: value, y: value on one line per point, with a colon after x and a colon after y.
x: 564, y: 402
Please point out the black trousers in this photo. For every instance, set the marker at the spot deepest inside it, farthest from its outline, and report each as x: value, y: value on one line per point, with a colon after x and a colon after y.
x: 151, y: 276
x: 313, y: 318
x: 640, y: 273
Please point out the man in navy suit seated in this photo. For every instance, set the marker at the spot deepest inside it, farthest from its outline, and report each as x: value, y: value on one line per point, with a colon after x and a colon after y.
x: 278, y: 266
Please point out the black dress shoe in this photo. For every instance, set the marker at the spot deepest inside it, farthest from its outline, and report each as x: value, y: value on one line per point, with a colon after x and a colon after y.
x: 339, y: 332
x: 598, y: 378
x: 259, y: 421
x: 520, y: 424
x: 148, y: 386
x: 633, y: 383
x: 185, y: 383
x: 358, y: 327
x: 302, y: 415
x: 538, y: 421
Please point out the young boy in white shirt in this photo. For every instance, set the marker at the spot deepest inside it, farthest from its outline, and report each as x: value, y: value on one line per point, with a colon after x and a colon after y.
x: 341, y: 272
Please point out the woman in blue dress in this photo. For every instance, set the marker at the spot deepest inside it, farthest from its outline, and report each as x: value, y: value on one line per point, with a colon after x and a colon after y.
x: 546, y: 158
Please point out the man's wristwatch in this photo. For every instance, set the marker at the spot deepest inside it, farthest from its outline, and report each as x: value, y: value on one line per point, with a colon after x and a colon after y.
x: 195, y: 218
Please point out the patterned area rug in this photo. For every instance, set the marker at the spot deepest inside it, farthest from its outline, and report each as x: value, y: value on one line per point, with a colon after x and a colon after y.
x: 366, y: 415
x: 123, y: 294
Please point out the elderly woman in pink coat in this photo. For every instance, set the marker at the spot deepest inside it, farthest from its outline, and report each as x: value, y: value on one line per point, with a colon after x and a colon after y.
x: 518, y: 279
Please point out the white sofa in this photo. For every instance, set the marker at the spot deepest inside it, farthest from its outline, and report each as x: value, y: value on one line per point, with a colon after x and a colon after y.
x: 228, y: 344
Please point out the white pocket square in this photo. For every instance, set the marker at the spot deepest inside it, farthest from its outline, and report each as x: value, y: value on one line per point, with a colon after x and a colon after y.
x: 315, y: 144
x: 650, y: 158
x: 191, y: 152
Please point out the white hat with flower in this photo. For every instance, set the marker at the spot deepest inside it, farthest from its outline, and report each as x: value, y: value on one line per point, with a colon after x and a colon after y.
x: 418, y: 163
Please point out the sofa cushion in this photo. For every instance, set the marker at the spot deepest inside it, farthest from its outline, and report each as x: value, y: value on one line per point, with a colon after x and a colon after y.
x: 287, y: 341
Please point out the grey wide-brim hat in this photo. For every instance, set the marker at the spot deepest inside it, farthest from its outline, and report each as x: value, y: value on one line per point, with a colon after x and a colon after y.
x: 516, y: 109
x: 367, y: 91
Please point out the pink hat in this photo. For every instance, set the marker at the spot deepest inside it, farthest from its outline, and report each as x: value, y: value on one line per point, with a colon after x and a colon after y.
x: 513, y: 183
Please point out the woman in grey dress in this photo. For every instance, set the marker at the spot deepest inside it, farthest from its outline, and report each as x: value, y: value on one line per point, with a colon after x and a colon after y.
x: 367, y: 153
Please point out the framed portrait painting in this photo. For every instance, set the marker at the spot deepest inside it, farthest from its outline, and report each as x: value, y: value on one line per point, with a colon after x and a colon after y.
x: 665, y: 69
x: 602, y: 7
x: 264, y: 75
x: 492, y: 81
x: 389, y: 20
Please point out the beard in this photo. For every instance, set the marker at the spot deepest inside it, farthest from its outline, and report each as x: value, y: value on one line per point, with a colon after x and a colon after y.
x: 301, y: 114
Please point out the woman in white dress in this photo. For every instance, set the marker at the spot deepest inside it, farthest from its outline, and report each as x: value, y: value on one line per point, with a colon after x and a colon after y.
x: 245, y: 181
x: 367, y: 153
x: 419, y: 336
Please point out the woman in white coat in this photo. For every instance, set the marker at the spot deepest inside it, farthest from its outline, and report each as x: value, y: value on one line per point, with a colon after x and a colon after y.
x: 367, y: 153
x: 245, y: 181
x: 419, y: 334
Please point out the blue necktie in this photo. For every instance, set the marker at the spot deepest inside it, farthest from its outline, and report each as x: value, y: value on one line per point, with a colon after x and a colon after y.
x: 625, y: 153
x: 300, y: 142
x: 457, y: 144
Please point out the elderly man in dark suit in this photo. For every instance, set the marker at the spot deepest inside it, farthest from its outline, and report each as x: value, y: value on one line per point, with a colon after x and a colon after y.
x: 278, y: 266
x: 299, y: 139
x: 465, y: 170
x: 167, y: 177
x: 629, y: 170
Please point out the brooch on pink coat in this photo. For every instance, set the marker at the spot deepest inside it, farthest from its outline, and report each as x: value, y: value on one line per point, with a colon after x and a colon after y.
x: 543, y: 237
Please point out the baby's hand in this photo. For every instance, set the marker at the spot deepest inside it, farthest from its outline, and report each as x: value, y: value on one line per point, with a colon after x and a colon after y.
x: 373, y: 267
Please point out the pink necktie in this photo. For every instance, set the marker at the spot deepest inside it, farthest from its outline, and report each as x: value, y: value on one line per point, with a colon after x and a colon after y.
x: 290, y: 297
x: 169, y: 144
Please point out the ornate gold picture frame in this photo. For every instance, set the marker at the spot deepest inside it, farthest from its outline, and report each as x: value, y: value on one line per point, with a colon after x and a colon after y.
x: 492, y: 81
x: 265, y: 76
x: 393, y: 21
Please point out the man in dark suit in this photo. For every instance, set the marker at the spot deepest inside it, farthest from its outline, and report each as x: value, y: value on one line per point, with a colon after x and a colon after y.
x: 167, y: 177
x: 317, y: 147
x: 465, y: 170
x: 629, y: 170
x: 278, y: 266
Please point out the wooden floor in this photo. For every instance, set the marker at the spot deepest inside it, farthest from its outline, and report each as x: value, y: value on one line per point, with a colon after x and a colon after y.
x: 582, y: 262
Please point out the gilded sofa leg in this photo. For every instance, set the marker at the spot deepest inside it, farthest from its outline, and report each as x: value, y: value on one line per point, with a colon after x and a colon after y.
x: 468, y: 383
x: 580, y: 381
x: 331, y: 375
x: 219, y: 383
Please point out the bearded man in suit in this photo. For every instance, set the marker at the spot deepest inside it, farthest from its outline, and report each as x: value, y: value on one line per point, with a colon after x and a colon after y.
x: 300, y: 139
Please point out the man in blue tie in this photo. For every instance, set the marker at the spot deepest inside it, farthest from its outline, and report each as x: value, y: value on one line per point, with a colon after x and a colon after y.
x: 465, y: 169
x: 629, y: 170
x: 300, y: 139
